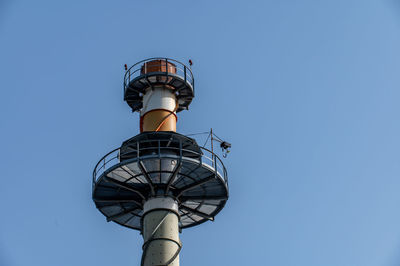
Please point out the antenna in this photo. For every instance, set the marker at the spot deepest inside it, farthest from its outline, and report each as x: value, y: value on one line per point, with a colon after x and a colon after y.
x: 159, y: 181
x: 226, y: 146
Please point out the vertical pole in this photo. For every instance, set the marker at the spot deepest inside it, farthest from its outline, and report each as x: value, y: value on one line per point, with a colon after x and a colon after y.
x: 212, y: 141
x: 212, y: 147
x: 161, y: 232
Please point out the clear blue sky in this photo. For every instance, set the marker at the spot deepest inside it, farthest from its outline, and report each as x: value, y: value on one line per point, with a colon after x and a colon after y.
x: 306, y: 91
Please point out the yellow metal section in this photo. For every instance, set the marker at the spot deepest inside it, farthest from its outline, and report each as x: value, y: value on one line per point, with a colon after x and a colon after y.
x: 159, y: 120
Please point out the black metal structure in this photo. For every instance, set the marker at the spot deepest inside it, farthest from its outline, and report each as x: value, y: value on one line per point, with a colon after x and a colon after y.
x: 137, y: 80
x: 160, y: 164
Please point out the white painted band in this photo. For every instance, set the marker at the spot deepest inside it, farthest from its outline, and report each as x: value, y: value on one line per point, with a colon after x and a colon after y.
x: 159, y: 98
x: 160, y: 203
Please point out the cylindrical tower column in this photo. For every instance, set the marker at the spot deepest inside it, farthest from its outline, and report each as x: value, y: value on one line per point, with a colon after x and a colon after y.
x: 140, y: 184
x: 159, y: 102
x: 161, y: 232
x: 159, y: 110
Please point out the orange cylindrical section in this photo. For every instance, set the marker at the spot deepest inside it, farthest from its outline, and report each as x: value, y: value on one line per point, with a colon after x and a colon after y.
x: 158, y: 66
x: 158, y: 120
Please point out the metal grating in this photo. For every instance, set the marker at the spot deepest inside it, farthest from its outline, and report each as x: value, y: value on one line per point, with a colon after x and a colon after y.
x: 160, y: 164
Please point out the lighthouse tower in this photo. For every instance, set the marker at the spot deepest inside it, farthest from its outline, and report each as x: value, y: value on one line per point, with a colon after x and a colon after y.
x: 159, y: 181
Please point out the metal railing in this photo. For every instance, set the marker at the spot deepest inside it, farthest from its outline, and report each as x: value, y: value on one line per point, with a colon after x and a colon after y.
x: 181, y: 70
x: 205, y: 156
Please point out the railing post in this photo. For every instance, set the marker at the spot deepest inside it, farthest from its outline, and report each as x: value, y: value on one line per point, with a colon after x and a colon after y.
x: 180, y: 150
x: 159, y: 149
x: 184, y: 71
x: 215, y: 165
x: 124, y: 85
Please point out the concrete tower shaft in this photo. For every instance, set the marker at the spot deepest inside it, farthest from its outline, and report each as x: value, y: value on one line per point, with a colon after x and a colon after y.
x: 161, y: 232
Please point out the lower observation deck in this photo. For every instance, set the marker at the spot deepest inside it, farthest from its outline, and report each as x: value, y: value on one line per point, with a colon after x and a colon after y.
x: 154, y: 164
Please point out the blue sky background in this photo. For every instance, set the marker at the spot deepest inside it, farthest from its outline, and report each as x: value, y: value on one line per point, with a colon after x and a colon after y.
x: 306, y: 91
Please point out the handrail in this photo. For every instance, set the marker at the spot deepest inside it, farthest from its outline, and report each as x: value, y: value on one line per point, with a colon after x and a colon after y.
x: 160, y: 58
x: 186, y: 72
x: 95, y: 168
x: 107, y: 160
